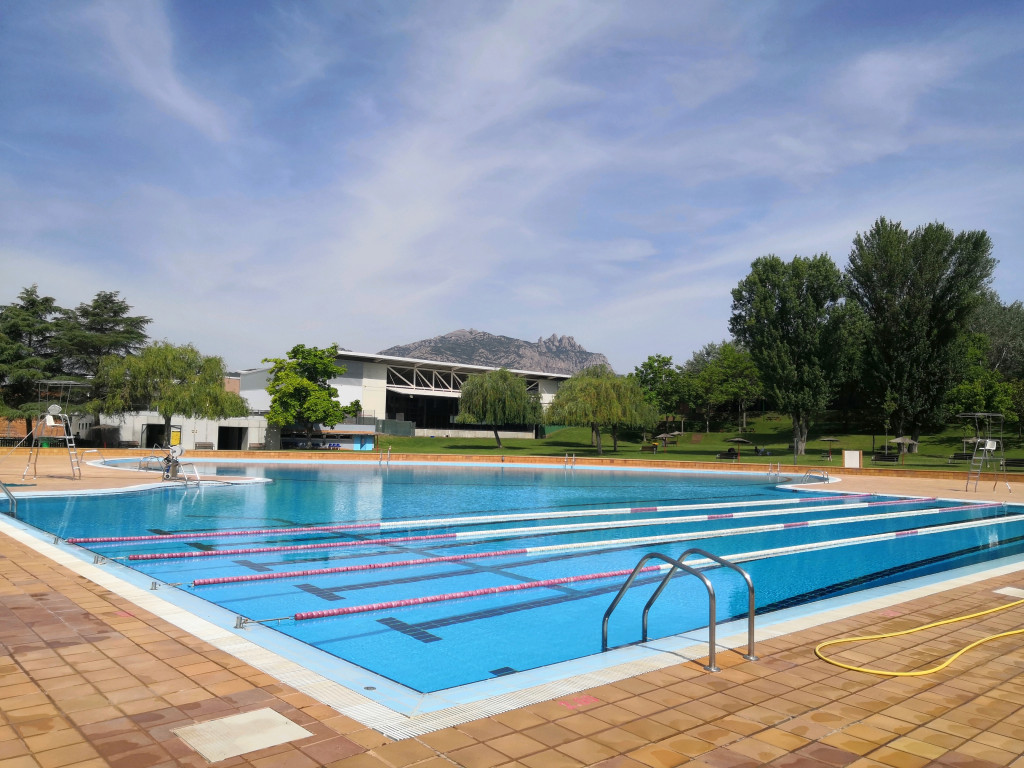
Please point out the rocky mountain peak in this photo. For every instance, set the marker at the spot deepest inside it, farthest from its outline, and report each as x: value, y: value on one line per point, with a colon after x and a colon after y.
x: 555, y: 354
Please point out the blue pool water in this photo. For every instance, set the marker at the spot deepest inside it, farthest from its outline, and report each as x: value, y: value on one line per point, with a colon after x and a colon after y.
x: 548, y: 523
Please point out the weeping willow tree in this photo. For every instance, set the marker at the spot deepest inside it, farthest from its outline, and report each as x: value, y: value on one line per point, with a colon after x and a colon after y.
x: 497, y: 399
x: 168, y: 379
x: 596, y: 397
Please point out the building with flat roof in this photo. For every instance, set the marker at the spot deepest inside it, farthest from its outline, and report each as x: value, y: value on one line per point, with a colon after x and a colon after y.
x: 401, y: 395
x: 398, y: 396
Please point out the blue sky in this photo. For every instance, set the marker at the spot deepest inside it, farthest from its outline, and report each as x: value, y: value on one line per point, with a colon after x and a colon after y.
x: 254, y: 175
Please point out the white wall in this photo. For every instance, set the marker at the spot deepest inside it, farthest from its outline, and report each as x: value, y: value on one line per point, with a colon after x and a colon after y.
x: 192, y: 430
x: 374, y: 394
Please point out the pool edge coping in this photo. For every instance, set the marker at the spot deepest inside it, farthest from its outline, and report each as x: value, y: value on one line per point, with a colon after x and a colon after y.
x: 396, y: 724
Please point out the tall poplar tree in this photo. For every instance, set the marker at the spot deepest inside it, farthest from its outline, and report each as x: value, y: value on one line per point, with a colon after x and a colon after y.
x: 919, y: 291
x: 792, y: 320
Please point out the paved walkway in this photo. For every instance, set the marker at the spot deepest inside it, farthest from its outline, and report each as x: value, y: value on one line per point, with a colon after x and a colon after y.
x: 88, y: 678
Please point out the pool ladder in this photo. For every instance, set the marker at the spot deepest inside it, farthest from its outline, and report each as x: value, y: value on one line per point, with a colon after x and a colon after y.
x: 774, y: 472
x: 678, y: 565
x: 820, y: 475
x: 570, y: 461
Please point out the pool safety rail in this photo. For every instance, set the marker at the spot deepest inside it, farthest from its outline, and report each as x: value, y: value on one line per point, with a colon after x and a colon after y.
x: 774, y: 472
x: 570, y: 461
x: 821, y: 475
x: 677, y: 564
x: 13, y: 502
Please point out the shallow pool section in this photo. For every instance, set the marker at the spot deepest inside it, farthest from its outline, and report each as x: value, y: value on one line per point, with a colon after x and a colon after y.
x: 440, y: 576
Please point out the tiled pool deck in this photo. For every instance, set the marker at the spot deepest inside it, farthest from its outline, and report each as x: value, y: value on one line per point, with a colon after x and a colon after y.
x: 90, y: 678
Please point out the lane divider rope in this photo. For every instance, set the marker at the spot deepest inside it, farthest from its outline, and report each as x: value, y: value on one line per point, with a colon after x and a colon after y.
x: 695, y: 563
x: 329, y: 612
x: 355, y: 568
x: 467, y: 520
x: 213, y: 580
x: 538, y: 530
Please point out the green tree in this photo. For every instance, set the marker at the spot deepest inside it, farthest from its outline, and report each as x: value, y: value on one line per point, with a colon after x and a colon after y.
x: 703, y: 383
x: 497, y: 398
x: 791, y: 318
x: 919, y: 291
x: 634, y: 408
x: 741, y: 383
x: 168, y: 379
x: 1003, y: 326
x: 661, y: 382
x: 1015, y: 415
x: 718, y: 375
x: 84, y: 335
x: 597, y: 397
x: 982, y: 389
x: 300, y: 389
x: 27, y: 329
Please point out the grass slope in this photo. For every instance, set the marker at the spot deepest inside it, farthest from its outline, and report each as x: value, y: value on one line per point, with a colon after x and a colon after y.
x: 771, y: 432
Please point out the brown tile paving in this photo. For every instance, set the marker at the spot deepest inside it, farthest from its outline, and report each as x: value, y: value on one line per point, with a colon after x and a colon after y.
x: 87, y: 679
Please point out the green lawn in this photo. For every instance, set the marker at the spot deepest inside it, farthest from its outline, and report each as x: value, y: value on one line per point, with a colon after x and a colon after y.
x: 772, y: 433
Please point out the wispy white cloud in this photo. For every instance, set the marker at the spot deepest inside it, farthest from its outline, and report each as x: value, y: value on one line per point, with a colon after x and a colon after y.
x: 885, y: 85
x: 304, y: 43
x: 141, y: 50
x: 370, y: 176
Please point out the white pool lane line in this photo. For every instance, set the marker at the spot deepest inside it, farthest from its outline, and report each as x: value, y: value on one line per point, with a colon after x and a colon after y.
x: 454, y: 522
x: 532, y: 531
x: 412, y: 714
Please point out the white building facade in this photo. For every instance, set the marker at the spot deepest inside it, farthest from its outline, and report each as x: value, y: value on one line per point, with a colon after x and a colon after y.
x: 401, y: 396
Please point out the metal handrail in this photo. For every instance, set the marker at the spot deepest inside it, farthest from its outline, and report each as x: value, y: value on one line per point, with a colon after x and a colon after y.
x: 184, y: 473
x: 816, y: 474
x: 151, y: 463
x: 751, y: 602
x: 10, y: 496
x: 570, y: 461
x: 710, y: 666
x: 677, y: 564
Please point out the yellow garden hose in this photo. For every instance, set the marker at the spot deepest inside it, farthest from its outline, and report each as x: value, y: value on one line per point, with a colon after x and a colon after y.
x: 943, y: 665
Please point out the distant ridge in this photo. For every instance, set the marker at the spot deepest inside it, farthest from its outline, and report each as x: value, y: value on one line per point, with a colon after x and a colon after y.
x: 555, y: 354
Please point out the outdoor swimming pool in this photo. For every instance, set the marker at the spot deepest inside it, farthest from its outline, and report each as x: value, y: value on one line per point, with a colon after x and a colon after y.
x: 519, y: 557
